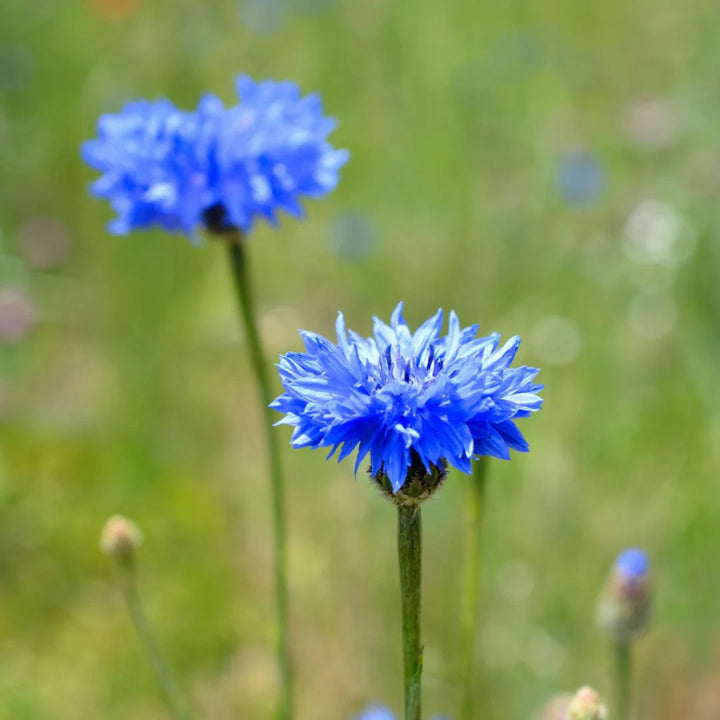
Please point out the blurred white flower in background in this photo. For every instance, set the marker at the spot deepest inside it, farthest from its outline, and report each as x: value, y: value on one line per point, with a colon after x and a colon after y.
x: 655, y: 233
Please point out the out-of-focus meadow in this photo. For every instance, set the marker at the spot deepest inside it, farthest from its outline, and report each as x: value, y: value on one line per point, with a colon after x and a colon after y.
x: 550, y: 169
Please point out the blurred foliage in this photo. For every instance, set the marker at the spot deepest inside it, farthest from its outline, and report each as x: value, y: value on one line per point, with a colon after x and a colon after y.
x: 130, y: 390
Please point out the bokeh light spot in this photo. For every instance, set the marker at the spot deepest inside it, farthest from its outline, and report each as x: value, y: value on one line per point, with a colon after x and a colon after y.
x: 556, y: 341
x: 352, y: 236
x: 652, y: 314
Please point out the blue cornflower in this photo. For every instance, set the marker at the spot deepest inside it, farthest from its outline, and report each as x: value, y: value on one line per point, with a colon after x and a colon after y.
x: 633, y: 564
x: 623, y: 609
x: 376, y: 713
x: 216, y: 168
x: 413, y: 401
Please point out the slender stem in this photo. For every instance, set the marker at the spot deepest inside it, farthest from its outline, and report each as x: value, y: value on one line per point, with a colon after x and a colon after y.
x: 623, y: 673
x: 471, y: 590
x: 409, y: 556
x: 238, y: 263
x: 152, y: 651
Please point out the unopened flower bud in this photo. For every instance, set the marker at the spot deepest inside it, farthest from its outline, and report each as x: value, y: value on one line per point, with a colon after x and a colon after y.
x: 624, y: 605
x: 586, y: 705
x: 120, y: 537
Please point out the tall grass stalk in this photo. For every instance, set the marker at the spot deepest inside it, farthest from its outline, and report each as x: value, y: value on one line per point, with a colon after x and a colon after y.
x: 239, y: 265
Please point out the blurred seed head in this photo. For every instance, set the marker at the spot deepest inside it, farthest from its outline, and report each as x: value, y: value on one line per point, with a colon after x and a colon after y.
x: 43, y: 242
x: 17, y: 315
x: 624, y: 606
x: 586, y: 705
x: 120, y: 538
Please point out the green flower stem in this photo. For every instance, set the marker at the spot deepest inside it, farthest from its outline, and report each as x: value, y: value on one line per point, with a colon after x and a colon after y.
x: 409, y: 556
x: 150, y: 647
x: 238, y: 263
x: 623, y: 673
x: 471, y: 592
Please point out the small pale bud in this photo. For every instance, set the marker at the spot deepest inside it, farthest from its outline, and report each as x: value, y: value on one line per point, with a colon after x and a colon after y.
x: 120, y: 537
x: 586, y: 705
x: 624, y: 605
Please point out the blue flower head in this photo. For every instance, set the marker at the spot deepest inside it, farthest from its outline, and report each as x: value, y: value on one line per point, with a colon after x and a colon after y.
x: 216, y: 168
x: 375, y: 712
x: 414, y: 401
x: 624, y: 604
x: 633, y: 564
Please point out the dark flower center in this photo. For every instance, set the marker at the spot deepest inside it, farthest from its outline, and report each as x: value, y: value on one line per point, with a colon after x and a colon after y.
x: 216, y: 220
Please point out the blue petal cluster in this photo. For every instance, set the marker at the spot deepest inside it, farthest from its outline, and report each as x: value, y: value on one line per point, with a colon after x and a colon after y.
x: 406, y: 397
x: 377, y: 712
x: 633, y: 564
x: 216, y: 167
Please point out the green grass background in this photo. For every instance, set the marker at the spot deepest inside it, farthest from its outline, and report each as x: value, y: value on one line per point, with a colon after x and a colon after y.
x: 134, y: 395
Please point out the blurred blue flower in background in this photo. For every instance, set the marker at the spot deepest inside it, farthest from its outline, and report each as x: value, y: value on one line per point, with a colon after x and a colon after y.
x: 624, y: 605
x: 581, y: 178
x: 152, y: 172
x: 408, y: 399
x: 217, y: 168
x: 376, y: 713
